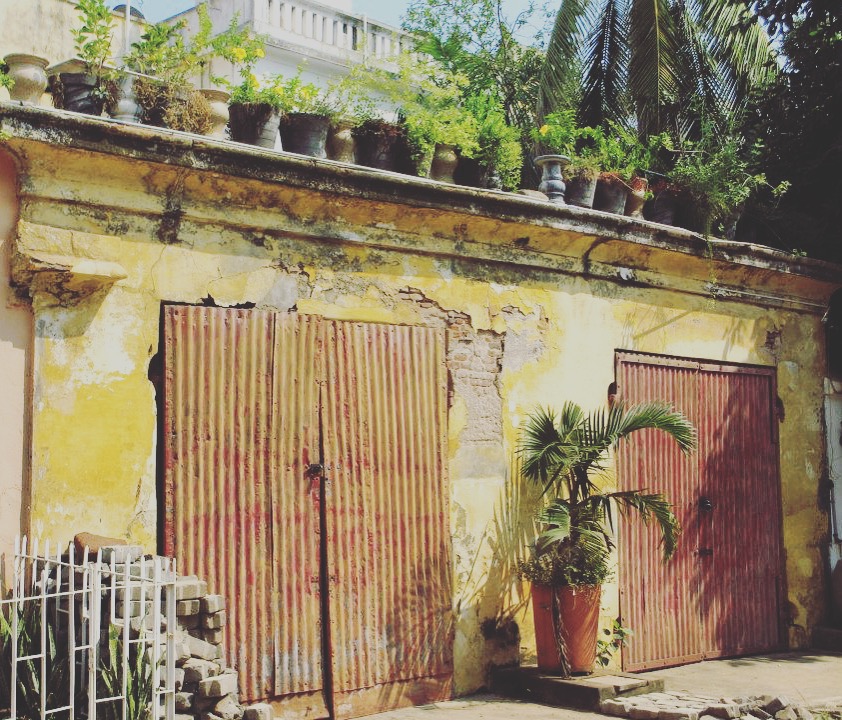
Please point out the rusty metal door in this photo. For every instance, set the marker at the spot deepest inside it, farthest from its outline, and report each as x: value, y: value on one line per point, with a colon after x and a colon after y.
x: 256, y: 403
x: 387, y: 504
x: 720, y: 594
x: 241, y: 511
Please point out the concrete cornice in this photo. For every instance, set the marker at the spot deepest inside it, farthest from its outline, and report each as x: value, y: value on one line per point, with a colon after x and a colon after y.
x: 420, y: 215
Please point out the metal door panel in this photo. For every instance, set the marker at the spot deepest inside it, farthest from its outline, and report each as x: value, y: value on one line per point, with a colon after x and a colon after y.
x: 659, y: 602
x: 723, y: 587
x: 386, y: 503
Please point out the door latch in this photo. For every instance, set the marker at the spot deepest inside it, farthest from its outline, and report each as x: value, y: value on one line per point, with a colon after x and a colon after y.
x: 705, y: 504
x: 314, y: 470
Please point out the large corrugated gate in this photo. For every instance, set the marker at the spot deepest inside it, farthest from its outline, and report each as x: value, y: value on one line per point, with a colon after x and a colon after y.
x: 720, y: 595
x: 305, y: 479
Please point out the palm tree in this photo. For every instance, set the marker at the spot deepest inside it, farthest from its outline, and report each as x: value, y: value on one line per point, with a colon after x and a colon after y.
x: 562, y: 453
x: 656, y: 65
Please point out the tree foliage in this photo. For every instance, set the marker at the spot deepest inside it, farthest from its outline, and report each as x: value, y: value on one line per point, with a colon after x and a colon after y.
x: 799, y: 122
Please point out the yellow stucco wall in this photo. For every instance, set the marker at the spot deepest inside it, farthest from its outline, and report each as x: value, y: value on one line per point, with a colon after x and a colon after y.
x: 150, y: 233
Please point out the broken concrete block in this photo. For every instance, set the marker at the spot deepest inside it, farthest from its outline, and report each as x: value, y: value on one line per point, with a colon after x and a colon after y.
x: 209, y: 716
x: 787, y: 713
x: 215, y: 621
x: 189, y: 622
x: 258, y: 711
x: 677, y: 713
x: 218, y: 686
x: 189, y: 587
x: 644, y: 711
x: 723, y: 711
x: 228, y: 708
x: 201, y: 649
x: 617, y: 708
x: 187, y: 607
x: 183, y: 701
x: 179, y: 679
x: 213, y: 636
x: 196, y: 670
x: 134, y: 608
x: 181, y: 716
x: 775, y: 704
x: 213, y: 604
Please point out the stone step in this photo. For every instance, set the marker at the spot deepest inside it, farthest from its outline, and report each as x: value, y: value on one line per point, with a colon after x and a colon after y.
x: 583, y: 693
x: 827, y: 638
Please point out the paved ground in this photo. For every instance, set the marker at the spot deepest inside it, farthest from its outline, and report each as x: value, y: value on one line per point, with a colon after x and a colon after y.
x: 807, y: 678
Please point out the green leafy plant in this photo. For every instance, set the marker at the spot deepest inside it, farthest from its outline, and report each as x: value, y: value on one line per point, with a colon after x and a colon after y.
x: 169, y: 61
x: 139, y: 678
x: 28, y: 620
x: 615, y: 638
x: 499, y: 146
x: 429, y: 99
x: 6, y: 80
x: 563, y: 453
x: 713, y: 174
x: 93, y: 42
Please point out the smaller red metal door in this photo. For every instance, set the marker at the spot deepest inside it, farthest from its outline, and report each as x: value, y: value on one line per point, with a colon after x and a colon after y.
x: 720, y: 595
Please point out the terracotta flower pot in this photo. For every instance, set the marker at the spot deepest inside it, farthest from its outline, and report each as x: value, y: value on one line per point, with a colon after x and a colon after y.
x: 637, y: 197
x: 30, y: 78
x: 577, y: 621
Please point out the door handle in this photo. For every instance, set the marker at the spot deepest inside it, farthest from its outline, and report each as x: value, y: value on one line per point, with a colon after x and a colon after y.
x: 706, y: 504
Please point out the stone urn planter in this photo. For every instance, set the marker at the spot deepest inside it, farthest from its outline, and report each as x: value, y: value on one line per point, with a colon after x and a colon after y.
x: 218, y: 104
x: 443, y: 166
x: 254, y: 124
x: 29, y: 75
x: 552, y: 180
x: 340, y: 142
x: 304, y: 133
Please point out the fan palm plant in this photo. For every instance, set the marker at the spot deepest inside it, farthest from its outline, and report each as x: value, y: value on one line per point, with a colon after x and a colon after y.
x: 655, y: 64
x: 564, y: 453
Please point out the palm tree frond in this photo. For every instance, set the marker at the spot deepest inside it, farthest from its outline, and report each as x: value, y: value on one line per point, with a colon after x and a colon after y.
x: 561, y: 68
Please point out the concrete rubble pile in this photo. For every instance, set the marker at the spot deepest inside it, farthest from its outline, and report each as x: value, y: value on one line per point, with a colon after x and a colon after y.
x: 691, y: 706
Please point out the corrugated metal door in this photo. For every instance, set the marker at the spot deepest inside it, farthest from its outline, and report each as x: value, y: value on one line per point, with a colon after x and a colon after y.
x: 387, y: 524
x: 253, y: 401
x: 241, y: 421
x: 719, y: 596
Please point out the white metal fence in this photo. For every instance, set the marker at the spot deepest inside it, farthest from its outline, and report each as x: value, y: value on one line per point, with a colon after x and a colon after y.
x: 87, y: 637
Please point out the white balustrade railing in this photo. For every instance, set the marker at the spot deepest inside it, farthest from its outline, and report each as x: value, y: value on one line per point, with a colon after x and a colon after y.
x: 328, y: 30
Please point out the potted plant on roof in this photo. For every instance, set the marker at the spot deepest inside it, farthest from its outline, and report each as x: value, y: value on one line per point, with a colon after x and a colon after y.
x: 163, y: 63
x: 561, y: 135
x: 498, y: 161
x: 83, y: 84
x: 305, y: 116
x: 564, y: 454
x: 439, y: 129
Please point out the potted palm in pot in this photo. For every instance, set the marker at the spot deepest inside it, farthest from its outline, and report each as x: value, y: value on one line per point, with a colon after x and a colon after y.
x: 563, y: 453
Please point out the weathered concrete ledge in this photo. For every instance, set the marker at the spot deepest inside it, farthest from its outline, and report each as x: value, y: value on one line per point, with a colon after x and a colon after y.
x: 490, y: 225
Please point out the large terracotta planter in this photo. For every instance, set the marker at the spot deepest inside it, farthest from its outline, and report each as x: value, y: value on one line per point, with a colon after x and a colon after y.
x: 575, y: 627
